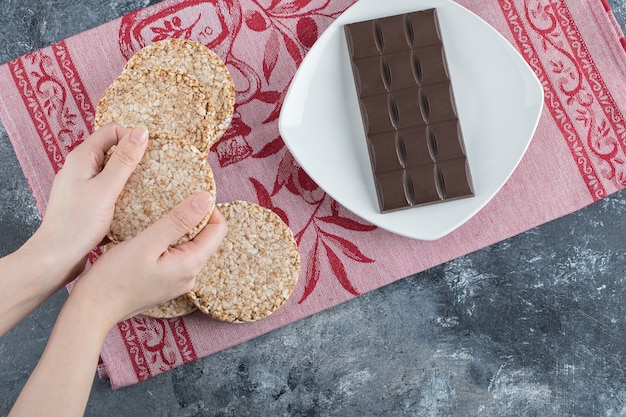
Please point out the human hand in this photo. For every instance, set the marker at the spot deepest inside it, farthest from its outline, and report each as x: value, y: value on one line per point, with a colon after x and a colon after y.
x: 79, y: 213
x: 83, y: 195
x: 144, y: 271
x: 130, y: 278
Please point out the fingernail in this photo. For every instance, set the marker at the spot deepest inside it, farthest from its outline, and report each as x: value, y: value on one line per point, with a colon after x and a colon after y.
x: 139, y: 135
x: 202, y: 201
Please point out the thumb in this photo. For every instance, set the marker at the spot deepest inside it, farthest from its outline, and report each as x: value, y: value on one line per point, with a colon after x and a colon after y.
x: 179, y: 221
x: 124, y: 159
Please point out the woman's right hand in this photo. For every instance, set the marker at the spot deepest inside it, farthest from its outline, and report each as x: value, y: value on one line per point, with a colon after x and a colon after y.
x: 145, y: 271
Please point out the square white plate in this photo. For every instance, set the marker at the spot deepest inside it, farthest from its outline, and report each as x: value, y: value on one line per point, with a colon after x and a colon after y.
x: 498, y: 97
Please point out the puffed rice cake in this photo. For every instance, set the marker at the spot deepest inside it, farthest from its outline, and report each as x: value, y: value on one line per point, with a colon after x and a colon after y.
x: 170, y: 171
x: 178, y: 307
x: 195, y: 60
x: 255, y: 269
x: 161, y: 100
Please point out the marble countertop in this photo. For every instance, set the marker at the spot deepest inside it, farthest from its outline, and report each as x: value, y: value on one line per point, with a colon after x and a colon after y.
x: 531, y: 326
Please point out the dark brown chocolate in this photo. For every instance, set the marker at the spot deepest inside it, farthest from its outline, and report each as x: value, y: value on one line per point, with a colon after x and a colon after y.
x: 407, y: 106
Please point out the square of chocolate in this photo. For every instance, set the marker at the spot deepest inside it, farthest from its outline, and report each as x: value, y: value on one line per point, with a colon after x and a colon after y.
x: 408, y: 110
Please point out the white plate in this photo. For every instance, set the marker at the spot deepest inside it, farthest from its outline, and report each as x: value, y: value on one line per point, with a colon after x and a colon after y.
x: 499, y: 101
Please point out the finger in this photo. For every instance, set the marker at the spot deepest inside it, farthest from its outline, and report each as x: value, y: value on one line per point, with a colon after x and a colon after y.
x: 108, y: 135
x: 88, y: 157
x: 180, y: 220
x: 196, y: 252
x: 123, y: 160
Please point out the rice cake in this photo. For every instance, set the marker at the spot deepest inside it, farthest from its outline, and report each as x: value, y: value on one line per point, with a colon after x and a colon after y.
x: 255, y: 269
x: 170, y: 171
x: 161, y: 100
x: 178, y: 307
x: 195, y: 60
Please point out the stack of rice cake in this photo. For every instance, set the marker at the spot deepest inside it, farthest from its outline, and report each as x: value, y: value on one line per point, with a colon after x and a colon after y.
x: 184, y: 94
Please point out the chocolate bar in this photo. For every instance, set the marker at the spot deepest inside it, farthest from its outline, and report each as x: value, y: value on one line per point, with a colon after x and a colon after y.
x: 408, y: 110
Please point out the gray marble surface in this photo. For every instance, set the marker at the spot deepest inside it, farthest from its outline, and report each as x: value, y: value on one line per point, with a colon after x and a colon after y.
x: 532, y: 326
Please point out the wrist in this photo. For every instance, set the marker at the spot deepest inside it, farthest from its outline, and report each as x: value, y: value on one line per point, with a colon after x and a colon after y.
x: 58, y: 264
x: 45, y: 271
x: 97, y: 298
x: 91, y: 307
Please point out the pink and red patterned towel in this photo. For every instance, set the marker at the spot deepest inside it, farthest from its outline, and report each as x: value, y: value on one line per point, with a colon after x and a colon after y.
x: 577, y: 156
